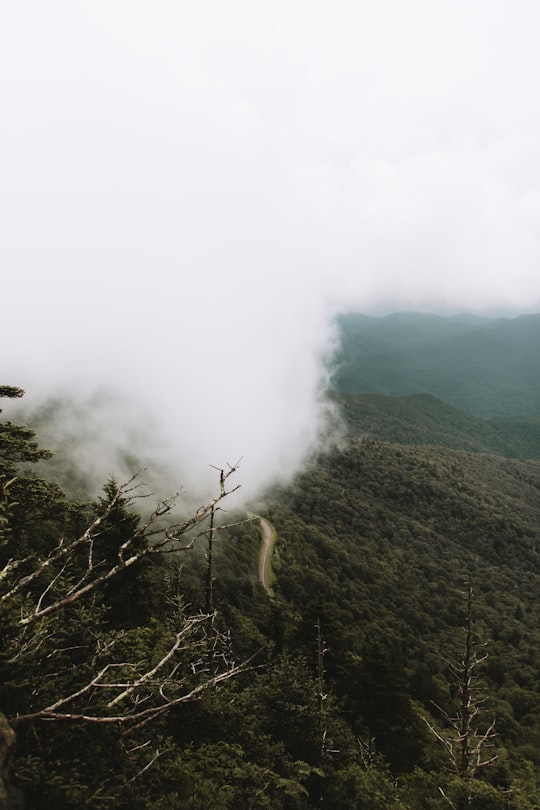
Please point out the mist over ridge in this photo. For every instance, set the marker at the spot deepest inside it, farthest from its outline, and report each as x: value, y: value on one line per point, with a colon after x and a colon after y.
x: 483, y: 366
x: 191, y: 193
x: 96, y: 434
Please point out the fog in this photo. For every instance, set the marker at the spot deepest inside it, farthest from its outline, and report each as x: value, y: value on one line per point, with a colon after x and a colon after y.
x: 191, y: 191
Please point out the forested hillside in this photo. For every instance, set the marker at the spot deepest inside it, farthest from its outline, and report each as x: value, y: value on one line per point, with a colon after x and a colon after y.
x: 172, y: 684
x: 423, y: 419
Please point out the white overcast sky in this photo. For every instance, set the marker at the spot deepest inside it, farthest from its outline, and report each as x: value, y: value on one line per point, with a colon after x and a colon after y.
x: 189, y: 190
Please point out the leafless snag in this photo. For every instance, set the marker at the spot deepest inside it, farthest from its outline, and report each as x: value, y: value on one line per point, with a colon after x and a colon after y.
x: 467, y: 746
x: 126, y: 693
x: 156, y: 540
x: 145, y: 695
x: 368, y: 751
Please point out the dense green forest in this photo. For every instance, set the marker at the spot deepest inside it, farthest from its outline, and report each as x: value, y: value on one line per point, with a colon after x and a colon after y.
x: 395, y: 664
x: 423, y: 419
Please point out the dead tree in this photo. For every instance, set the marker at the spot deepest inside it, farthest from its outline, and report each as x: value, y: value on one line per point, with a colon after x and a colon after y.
x: 321, y: 691
x: 469, y: 732
x: 122, y: 692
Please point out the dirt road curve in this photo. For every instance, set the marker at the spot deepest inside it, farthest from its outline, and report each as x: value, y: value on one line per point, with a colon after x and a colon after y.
x: 265, y: 554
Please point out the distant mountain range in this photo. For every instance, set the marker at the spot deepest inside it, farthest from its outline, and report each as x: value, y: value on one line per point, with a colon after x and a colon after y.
x: 486, y: 367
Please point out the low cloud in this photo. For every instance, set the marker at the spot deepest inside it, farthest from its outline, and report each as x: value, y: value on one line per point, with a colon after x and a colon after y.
x: 190, y: 192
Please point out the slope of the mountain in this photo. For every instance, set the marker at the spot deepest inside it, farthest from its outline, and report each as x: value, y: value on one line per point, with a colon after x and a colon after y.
x: 486, y: 367
x: 423, y: 419
x: 376, y: 541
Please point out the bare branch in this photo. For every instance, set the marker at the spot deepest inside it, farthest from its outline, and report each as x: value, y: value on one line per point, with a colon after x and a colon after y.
x: 462, y: 739
x: 184, y: 633
x: 135, y: 719
x: 60, y: 552
x: 148, y: 539
x: 122, y: 692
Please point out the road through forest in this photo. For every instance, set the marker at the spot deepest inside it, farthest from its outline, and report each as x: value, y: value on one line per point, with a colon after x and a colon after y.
x: 265, y: 554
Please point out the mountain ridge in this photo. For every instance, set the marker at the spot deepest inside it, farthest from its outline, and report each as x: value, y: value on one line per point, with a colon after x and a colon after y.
x: 424, y: 419
x: 490, y: 368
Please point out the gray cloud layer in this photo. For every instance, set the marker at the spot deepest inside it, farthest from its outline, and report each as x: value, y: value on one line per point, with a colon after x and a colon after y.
x: 191, y: 190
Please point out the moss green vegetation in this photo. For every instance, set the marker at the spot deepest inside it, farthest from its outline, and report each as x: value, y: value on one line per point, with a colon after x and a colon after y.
x: 423, y: 419
x: 376, y: 542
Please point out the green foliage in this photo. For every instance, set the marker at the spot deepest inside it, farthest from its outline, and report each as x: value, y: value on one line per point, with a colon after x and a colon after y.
x: 134, y: 596
x: 220, y: 776
x: 374, y: 542
x: 358, y: 788
x: 17, y: 443
x: 422, y: 419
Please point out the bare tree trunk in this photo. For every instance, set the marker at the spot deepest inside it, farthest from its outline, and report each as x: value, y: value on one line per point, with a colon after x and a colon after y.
x: 9, y: 799
x: 209, y: 591
x: 468, y: 748
x: 321, y: 694
x: 209, y: 597
x: 466, y: 713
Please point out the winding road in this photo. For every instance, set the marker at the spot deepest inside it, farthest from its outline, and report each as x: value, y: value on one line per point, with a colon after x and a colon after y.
x: 265, y: 554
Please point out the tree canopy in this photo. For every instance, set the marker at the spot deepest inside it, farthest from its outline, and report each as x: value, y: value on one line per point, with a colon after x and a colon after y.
x: 125, y: 683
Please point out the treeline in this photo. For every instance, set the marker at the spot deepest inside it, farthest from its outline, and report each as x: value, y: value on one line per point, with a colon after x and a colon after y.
x: 424, y: 419
x: 339, y: 692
